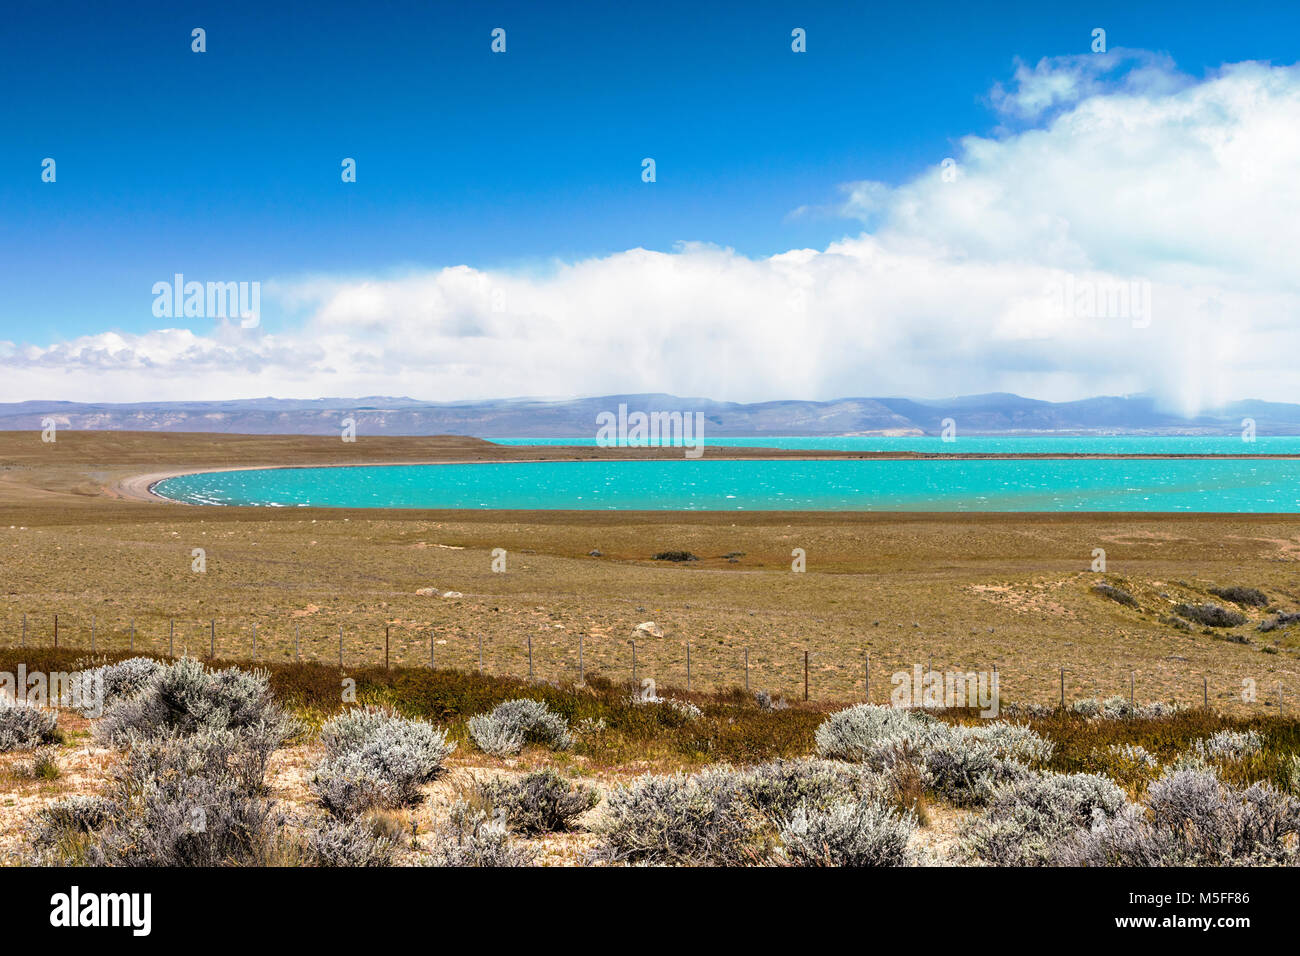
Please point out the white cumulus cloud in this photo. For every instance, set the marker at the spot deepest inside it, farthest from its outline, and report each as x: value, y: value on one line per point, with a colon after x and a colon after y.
x: 1134, y: 232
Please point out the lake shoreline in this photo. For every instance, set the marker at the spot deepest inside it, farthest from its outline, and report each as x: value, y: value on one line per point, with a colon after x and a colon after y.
x: 925, y: 483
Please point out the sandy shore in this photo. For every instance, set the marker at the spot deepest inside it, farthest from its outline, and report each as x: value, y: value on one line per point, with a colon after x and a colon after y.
x: 140, y: 487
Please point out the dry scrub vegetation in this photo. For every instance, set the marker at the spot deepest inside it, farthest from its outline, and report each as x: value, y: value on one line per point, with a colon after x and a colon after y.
x: 218, y: 765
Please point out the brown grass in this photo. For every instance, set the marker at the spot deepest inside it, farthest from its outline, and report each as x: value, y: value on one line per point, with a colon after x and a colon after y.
x: 968, y: 592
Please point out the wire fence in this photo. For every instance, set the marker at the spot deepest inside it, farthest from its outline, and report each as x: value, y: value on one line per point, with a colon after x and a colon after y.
x: 789, y: 671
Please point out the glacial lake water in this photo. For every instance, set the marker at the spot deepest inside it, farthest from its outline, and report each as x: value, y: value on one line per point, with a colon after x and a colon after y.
x: 711, y: 484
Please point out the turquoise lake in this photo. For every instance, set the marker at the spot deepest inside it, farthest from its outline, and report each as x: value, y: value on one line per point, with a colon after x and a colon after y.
x: 1152, y: 485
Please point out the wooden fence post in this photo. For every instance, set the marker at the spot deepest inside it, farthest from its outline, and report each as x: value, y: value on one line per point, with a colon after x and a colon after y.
x: 386, y: 646
x: 56, y: 630
x: 530, y: 658
x: 688, y: 667
x: 805, y: 675
x: 212, y: 638
x: 746, y: 669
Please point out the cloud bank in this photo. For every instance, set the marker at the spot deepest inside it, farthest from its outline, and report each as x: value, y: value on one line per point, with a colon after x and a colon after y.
x: 1127, y: 228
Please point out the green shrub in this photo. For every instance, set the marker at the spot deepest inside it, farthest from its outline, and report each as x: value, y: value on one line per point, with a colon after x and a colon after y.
x: 1130, y: 765
x: 45, y: 765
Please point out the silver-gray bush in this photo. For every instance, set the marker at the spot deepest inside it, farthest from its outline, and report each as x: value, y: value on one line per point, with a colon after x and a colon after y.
x: 541, y: 802
x: 185, y: 698
x: 376, y: 758
x: 470, y: 838
x: 352, y: 842
x: 702, y: 819
x: 513, y: 723
x: 23, y: 726
x: 856, y: 834
x: 1192, y: 818
x: 1025, y: 820
x: 865, y: 733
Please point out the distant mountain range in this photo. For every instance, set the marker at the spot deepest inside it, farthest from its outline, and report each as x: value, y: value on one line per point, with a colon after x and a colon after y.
x: 993, y: 414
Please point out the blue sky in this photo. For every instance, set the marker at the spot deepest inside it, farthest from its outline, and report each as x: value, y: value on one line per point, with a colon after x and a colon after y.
x: 225, y: 165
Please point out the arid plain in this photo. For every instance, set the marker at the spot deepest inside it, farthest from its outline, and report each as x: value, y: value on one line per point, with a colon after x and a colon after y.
x: 967, y: 592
